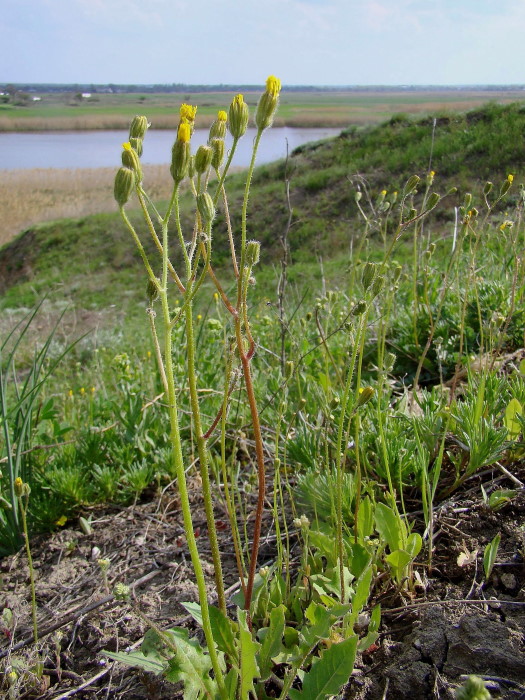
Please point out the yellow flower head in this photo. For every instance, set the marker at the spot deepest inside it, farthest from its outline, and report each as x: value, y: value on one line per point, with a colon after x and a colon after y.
x: 184, y: 132
x: 510, y: 177
x: 222, y: 116
x: 273, y: 85
x: 238, y: 100
x: 188, y: 112
x: 383, y: 193
x: 127, y: 146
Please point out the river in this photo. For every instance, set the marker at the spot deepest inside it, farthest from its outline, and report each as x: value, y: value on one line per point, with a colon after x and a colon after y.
x: 101, y: 149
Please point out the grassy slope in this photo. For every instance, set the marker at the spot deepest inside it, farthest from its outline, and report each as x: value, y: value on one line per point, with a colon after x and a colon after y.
x: 92, y: 260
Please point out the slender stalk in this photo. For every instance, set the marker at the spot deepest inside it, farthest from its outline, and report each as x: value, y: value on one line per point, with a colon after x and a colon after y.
x: 23, y: 515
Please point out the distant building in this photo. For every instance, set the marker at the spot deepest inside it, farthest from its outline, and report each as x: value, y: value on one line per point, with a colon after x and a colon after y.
x: 86, y: 95
x: 36, y: 99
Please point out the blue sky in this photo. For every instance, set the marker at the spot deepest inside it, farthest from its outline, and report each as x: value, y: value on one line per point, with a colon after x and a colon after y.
x: 316, y: 42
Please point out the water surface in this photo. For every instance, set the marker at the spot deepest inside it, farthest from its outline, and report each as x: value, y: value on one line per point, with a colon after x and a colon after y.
x: 101, y: 149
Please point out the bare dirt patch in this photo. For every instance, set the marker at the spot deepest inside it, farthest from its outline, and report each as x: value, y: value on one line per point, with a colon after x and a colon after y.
x: 454, y: 623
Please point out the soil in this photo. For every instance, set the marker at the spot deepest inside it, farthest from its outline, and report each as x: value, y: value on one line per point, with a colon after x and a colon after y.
x: 452, y: 624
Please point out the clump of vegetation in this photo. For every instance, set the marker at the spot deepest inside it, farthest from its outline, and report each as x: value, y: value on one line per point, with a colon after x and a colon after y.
x: 403, y: 378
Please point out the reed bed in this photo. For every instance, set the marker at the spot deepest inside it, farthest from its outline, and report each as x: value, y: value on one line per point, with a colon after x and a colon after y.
x: 29, y: 197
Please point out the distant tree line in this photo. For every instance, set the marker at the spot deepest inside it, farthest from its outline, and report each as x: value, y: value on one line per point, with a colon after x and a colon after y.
x: 24, y: 88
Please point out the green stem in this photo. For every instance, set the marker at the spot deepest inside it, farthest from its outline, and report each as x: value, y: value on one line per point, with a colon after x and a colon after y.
x: 23, y: 509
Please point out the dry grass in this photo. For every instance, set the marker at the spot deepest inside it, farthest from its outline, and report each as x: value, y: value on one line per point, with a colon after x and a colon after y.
x: 28, y: 197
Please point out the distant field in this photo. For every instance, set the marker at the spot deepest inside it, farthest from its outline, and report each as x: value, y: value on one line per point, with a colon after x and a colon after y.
x: 57, y: 111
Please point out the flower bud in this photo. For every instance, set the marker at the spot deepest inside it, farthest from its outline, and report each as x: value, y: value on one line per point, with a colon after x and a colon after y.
x: 205, y: 207
x: 181, y: 153
x: 124, y: 184
x: 365, y: 394
x: 152, y: 292
x: 288, y: 370
x: 505, y: 187
x: 358, y: 195
x: 411, y: 184
x: 359, y: 308
x: 138, y: 127
x: 130, y: 159
x: 467, y: 201
x: 253, y: 251
x: 187, y: 115
x: 268, y: 103
x: 238, y: 116
x: 218, y: 128
x: 19, y: 487
x: 488, y: 186
x: 377, y: 286
x: 433, y: 200
x: 136, y: 145
x: 369, y: 272
x: 217, y: 147
x: 203, y: 159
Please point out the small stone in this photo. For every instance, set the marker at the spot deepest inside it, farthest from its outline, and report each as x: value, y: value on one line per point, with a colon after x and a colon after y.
x: 95, y: 553
x: 508, y: 581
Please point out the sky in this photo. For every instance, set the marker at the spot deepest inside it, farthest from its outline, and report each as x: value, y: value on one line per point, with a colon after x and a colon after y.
x: 303, y: 42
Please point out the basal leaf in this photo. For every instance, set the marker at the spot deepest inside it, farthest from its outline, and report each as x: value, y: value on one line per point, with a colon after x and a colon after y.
x: 273, y: 641
x: 248, y: 653
x: 330, y: 673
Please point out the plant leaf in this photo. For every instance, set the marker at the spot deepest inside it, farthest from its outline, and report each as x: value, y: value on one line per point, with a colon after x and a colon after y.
x: 273, y: 641
x: 489, y: 555
x: 389, y: 526
x: 248, y: 651
x: 512, y: 423
x: 330, y: 673
x: 138, y: 660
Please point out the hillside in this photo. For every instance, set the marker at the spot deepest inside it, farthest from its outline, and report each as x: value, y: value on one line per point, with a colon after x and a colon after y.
x: 81, y: 259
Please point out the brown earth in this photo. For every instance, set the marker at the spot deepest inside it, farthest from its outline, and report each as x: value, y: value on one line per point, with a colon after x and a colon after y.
x: 452, y: 624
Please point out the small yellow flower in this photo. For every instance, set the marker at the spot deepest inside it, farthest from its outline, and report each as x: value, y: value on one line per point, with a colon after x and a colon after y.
x: 383, y: 193
x: 93, y: 389
x: 222, y: 116
x: 199, y: 317
x: 184, y: 132
x: 273, y: 85
x: 432, y: 173
x: 238, y: 100
x: 61, y: 521
x: 216, y: 296
x: 127, y: 146
x: 188, y: 112
x: 82, y: 391
x: 510, y: 177
x: 70, y: 393
x: 148, y: 354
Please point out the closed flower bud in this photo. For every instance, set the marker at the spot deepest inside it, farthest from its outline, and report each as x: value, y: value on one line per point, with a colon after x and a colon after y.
x: 152, y: 292
x: 217, y: 147
x: 411, y: 184
x: 253, y: 251
x: 19, y: 487
x: 136, y: 145
x: 505, y: 187
x: 365, y: 394
x: 359, y: 308
x: 203, y: 159
x: 138, y: 127
x: 181, y: 153
x: 369, y: 272
x: 206, y: 207
x: 130, y: 159
x: 377, y: 286
x: 433, y: 200
x: 288, y: 370
x: 488, y: 186
x: 124, y: 184
x: 397, y: 273
x: 467, y: 201
x: 218, y: 128
x: 238, y: 116
x: 191, y: 167
x: 268, y: 103
x: 357, y: 196
x: 390, y: 359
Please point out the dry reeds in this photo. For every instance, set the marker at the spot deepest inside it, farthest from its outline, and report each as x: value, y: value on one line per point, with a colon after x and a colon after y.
x: 28, y: 197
